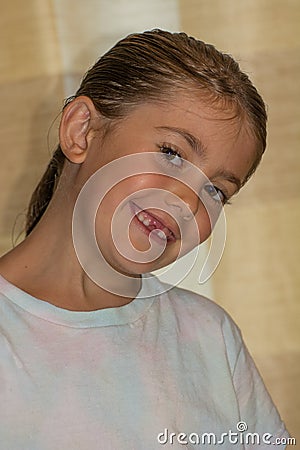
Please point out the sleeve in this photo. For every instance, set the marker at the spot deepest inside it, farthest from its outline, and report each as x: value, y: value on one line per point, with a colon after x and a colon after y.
x: 260, y: 421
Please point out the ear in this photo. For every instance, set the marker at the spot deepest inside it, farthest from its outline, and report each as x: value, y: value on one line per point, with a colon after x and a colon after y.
x: 75, y: 127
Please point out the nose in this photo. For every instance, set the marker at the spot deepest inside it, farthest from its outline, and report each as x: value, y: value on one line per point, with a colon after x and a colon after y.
x: 183, y: 201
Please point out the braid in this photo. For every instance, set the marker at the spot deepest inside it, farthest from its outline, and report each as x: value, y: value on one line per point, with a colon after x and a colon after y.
x: 44, y: 190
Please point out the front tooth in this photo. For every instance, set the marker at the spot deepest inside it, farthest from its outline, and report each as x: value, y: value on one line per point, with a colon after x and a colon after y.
x: 141, y: 217
x: 146, y: 222
x: 161, y: 234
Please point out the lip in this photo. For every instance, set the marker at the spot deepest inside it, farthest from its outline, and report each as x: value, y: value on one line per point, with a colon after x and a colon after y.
x: 160, y: 223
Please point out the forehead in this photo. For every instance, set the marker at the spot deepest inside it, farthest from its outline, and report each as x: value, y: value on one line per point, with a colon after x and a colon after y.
x: 215, y: 118
x: 203, y: 112
x: 220, y: 127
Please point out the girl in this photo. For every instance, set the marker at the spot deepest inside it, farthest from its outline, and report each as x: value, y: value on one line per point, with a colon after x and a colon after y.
x: 96, y: 353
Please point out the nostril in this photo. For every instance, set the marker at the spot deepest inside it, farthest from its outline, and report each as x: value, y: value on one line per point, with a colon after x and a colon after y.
x: 182, y: 208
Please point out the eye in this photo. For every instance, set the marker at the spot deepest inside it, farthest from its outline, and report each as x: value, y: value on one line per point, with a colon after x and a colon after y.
x: 215, y: 193
x: 173, y: 157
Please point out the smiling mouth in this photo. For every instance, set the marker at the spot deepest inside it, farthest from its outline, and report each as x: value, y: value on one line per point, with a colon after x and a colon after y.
x: 150, y: 223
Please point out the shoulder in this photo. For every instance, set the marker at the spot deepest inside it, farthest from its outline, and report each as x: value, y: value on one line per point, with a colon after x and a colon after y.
x: 200, y: 315
x: 221, y: 348
x: 192, y: 303
x: 194, y: 306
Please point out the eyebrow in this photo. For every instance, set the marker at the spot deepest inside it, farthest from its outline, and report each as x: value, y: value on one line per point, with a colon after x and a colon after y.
x: 200, y: 149
x: 229, y: 176
x: 194, y: 142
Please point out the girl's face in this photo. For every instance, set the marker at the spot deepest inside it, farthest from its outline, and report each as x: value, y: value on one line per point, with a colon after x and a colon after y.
x: 183, y: 135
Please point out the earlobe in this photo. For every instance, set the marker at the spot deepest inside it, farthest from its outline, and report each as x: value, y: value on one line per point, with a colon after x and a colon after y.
x: 74, y: 129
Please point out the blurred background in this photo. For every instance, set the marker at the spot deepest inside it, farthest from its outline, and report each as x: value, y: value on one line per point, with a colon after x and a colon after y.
x: 47, y: 45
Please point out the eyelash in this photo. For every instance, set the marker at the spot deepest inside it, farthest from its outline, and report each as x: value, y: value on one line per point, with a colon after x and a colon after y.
x: 225, y: 200
x: 168, y: 150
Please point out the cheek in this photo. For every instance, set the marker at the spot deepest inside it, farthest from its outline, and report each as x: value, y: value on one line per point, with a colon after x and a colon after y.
x: 117, y: 194
x: 205, y: 223
x: 114, y: 214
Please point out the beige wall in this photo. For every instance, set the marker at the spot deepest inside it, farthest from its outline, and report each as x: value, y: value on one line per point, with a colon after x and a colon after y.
x: 31, y: 96
x: 47, y: 44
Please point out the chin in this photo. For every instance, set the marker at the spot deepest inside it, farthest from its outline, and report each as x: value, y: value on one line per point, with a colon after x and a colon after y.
x: 133, y: 269
x: 136, y: 269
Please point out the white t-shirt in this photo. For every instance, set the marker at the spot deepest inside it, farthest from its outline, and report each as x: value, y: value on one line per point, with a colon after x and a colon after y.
x: 159, y: 372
